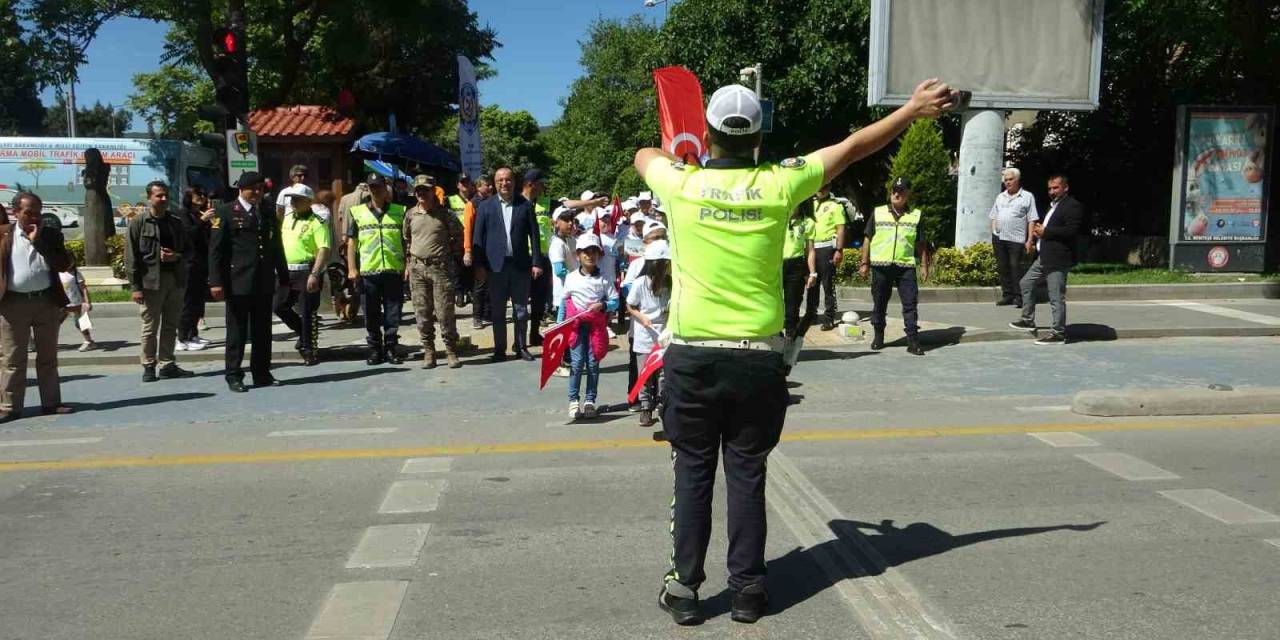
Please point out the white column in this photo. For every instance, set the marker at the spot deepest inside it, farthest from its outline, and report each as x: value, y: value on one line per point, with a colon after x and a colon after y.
x: 981, y: 158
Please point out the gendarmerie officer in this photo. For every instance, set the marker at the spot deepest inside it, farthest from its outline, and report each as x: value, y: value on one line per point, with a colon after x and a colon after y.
x: 246, y: 264
x: 726, y: 388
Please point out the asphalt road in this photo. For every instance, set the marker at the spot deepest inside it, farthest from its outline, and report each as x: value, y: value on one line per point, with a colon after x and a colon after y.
x: 950, y: 496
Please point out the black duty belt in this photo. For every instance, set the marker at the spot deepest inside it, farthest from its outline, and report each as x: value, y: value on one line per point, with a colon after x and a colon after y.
x: 32, y: 295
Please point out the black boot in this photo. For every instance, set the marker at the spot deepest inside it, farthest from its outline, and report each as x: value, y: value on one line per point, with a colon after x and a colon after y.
x: 877, y: 343
x: 393, y: 355
x: 375, y: 356
x: 913, y: 346
x: 520, y: 348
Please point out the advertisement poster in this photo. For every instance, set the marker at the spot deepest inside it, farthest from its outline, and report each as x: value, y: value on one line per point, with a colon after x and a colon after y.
x: 1224, y: 184
x: 469, y: 119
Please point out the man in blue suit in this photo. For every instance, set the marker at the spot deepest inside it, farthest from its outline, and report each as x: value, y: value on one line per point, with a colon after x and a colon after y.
x: 506, y: 231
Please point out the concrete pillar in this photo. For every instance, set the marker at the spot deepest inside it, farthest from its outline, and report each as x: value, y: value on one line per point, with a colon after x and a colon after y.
x: 981, y: 158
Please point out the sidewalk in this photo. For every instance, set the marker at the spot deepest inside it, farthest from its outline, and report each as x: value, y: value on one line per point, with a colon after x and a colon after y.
x: 940, y: 324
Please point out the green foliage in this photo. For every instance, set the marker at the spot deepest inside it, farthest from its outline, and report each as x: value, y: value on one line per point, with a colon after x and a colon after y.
x: 20, y: 110
x: 98, y: 121
x: 168, y: 100
x: 629, y: 183
x: 924, y: 160
x: 511, y: 138
x: 973, y: 266
x: 115, y: 253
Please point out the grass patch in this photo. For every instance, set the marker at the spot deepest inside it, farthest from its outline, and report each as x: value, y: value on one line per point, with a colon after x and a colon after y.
x: 113, y: 295
x: 1114, y: 273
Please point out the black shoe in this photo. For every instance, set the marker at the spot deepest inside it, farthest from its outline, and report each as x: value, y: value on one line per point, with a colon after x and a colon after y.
x: 827, y: 325
x: 498, y: 357
x: 683, y: 610
x: 1004, y: 302
x: 394, y: 357
x: 1017, y: 302
x: 172, y: 370
x: 477, y: 323
x: 1053, y: 338
x: 1024, y: 325
x: 268, y: 381
x: 237, y: 386
x: 149, y: 373
x: 310, y: 360
x: 877, y: 343
x: 524, y: 354
x: 375, y: 357
x: 913, y: 346
x: 646, y: 419
x: 748, y: 607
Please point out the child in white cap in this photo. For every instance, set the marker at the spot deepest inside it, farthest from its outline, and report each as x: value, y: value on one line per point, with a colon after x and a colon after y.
x: 591, y: 297
x: 647, y: 303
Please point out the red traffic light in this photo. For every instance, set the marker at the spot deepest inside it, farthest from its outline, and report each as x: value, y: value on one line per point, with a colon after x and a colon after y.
x: 230, y: 44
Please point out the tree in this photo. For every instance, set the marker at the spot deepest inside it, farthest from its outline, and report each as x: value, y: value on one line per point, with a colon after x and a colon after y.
x: 168, y: 100
x: 20, y: 110
x: 924, y: 160
x: 98, y: 121
x: 34, y: 168
x: 510, y: 138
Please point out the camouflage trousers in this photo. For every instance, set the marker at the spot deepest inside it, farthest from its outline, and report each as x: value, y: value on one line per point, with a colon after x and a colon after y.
x: 432, y: 292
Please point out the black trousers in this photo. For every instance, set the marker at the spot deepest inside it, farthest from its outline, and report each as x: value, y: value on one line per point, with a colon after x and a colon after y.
x: 539, y: 297
x: 727, y: 400
x: 633, y: 365
x: 479, y: 290
x: 298, y: 308
x: 193, y: 298
x: 509, y: 284
x: 1011, y: 264
x: 382, y: 301
x: 249, y: 319
x: 883, y: 281
x: 795, y: 275
x: 826, y: 280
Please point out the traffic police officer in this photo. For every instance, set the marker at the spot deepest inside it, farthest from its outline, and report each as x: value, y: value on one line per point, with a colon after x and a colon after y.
x: 375, y: 259
x: 893, y: 248
x: 246, y: 264
x: 307, y: 243
x: 828, y: 245
x: 724, y: 366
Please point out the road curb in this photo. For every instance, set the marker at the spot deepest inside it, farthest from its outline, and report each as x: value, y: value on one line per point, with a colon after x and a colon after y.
x: 1176, y: 402
x: 336, y: 353
x: 1096, y: 292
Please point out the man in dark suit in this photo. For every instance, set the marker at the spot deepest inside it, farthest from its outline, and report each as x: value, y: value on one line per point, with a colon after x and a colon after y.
x: 246, y: 264
x: 1056, y: 242
x: 506, y: 230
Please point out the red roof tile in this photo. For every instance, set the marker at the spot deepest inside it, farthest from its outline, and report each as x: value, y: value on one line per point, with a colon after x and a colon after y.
x: 304, y: 121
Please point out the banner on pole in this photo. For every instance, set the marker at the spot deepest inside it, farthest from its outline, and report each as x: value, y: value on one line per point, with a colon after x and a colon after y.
x: 471, y: 157
x: 681, y: 113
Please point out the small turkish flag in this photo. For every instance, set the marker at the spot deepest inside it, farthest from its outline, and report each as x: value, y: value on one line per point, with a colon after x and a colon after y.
x: 652, y: 363
x: 555, y: 341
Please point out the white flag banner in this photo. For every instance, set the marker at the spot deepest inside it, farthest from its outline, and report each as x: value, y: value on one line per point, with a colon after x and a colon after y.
x: 469, y: 119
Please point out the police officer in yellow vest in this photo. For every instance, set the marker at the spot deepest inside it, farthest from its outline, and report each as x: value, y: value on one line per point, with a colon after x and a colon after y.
x: 306, y: 251
x: 457, y: 202
x: 828, y: 246
x: 724, y: 368
x: 375, y: 260
x: 893, y: 248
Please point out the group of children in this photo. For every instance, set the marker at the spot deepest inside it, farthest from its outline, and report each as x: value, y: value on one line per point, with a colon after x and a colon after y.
x: 587, y: 286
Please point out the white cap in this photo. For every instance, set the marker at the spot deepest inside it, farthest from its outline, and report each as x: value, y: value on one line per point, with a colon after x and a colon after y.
x: 588, y: 195
x: 645, y: 195
x: 299, y: 191
x: 630, y: 204
x: 657, y: 250
x: 638, y: 216
x: 733, y: 101
x: 588, y: 240
x: 653, y: 225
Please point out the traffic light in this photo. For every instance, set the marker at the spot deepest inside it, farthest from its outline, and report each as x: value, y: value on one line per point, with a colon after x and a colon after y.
x: 231, y: 72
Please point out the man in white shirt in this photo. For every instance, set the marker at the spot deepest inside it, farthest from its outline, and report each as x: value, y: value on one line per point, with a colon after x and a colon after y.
x: 1011, y: 217
x: 297, y: 175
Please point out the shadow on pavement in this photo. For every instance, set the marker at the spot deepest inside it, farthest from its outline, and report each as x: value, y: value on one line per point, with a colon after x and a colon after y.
x: 1086, y: 332
x: 817, y: 355
x: 71, y: 378
x: 137, y: 402
x: 793, y: 578
x: 343, y: 376
x: 101, y: 345
x: 931, y: 339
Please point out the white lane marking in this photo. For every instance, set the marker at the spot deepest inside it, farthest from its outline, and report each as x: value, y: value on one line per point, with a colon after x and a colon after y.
x: 427, y: 465
x: 1226, y: 312
x: 359, y: 611
x: 1219, y: 506
x: 1048, y: 407
x: 390, y: 545
x: 1127, y: 466
x: 1064, y: 439
x: 884, y: 603
x: 1275, y: 541
x: 294, y: 433
x: 413, y: 496
x: 44, y: 443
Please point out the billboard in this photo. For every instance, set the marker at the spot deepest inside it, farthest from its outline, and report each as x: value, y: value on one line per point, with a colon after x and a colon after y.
x: 1012, y: 54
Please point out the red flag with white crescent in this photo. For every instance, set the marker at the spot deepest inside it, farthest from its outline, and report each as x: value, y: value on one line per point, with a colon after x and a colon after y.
x: 555, y: 341
x: 652, y: 363
x: 680, y: 111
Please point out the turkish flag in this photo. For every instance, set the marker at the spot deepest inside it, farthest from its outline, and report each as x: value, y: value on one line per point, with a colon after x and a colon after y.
x: 680, y: 110
x: 652, y: 363
x: 555, y: 341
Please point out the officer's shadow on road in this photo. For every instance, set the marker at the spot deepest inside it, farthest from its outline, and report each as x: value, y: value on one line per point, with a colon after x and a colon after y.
x: 804, y: 573
x: 342, y: 376
x: 137, y: 402
x: 931, y: 339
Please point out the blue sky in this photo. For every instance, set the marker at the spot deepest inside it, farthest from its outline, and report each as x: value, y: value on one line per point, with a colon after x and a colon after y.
x: 536, y: 64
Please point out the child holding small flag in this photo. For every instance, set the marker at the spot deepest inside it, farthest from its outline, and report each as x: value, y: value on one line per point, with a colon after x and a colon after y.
x: 590, y: 297
x: 647, y: 303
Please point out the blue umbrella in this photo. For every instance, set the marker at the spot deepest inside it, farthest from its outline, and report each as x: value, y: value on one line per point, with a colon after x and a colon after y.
x: 404, y: 148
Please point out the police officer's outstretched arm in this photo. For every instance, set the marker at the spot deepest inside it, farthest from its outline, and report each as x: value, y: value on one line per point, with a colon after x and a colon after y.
x: 930, y: 99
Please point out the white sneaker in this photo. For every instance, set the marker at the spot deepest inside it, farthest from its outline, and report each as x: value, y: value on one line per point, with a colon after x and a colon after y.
x: 573, y: 410
x: 87, y: 346
x: 200, y: 340
x: 589, y: 410
x: 612, y: 335
x: 196, y: 346
x: 179, y: 346
x: 562, y: 372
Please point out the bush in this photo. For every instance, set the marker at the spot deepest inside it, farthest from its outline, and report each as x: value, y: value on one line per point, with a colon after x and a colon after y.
x: 923, y: 159
x: 115, y: 253
x: 971, y: 267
